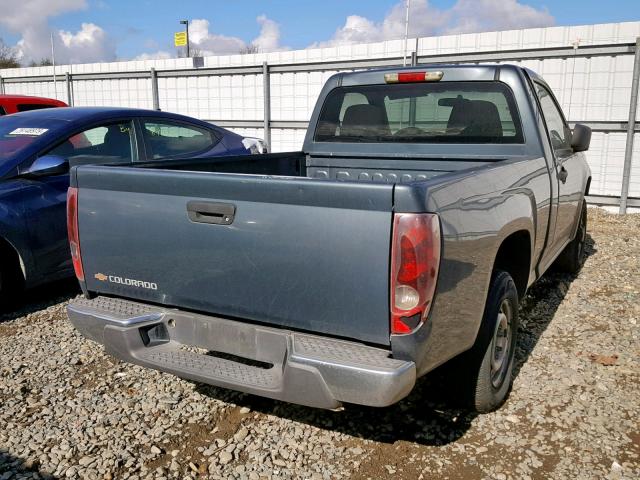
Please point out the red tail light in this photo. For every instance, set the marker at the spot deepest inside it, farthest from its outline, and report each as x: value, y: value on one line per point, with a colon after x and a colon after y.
x: 72, y: 230
x: 415, y: 259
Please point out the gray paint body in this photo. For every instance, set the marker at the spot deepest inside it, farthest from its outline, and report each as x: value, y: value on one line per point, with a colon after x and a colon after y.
x: 311, y: 253
x: 300, y: 253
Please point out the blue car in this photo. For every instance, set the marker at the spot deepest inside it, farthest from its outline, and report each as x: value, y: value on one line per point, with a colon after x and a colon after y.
x: 37, y: 149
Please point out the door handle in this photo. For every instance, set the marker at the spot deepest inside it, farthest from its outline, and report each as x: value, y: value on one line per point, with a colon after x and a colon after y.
x: 211, y: 212
x: 563, y: 174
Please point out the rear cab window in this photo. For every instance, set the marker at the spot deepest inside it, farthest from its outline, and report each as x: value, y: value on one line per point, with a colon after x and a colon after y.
x: 446, y: 112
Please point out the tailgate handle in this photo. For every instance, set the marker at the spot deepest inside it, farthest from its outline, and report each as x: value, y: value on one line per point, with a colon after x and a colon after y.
x: 211, y: 212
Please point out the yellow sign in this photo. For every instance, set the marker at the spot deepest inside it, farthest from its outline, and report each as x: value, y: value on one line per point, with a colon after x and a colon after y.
x: 180, y: 39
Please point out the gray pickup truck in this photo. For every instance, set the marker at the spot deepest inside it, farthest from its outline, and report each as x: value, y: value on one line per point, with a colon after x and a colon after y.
x: 424, y: 203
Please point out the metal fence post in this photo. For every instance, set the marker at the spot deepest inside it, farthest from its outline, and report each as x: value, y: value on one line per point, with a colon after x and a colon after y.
x: 267, y: 104
x: 154, y: 89
x: 67, y: 80
x: 414, y: 59
x: 1, y: 85
x: 631, y: 127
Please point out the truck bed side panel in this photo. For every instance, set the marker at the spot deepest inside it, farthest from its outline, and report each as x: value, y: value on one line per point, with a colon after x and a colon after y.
x: 478, y: 210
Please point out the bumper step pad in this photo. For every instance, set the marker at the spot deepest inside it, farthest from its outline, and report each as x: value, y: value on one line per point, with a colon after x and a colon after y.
x: 219, y: 368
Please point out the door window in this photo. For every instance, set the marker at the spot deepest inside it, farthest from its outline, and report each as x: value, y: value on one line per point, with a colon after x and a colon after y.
x: 110, y: 143
x: 27, y: 107
x: 559, y: 132
x: 166, y: 139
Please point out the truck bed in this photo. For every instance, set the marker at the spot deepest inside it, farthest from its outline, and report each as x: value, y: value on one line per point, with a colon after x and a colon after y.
x: 296, y: 252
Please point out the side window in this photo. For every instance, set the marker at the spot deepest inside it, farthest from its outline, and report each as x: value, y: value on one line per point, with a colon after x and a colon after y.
x: 108, y: 143
x: 167, y: 139
x: 558, y: 130
x: 27, y: 107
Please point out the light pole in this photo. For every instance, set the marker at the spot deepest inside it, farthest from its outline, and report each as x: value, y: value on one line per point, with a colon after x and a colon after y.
x: 406, y: 34
x: 186, y: 24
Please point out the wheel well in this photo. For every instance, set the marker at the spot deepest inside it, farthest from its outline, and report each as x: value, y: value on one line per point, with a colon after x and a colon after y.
x: 10, y: 257
x: 514, y: 257
x: 586, y: 190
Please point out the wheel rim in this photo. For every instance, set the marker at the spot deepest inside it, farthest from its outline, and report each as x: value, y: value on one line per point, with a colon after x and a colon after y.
x: 501, y: 344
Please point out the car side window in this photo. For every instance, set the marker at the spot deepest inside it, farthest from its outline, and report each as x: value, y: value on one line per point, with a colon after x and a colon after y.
x: 27, y: 107
x: 109, y: 143
x: 558, y: 129
x: 167, y: 139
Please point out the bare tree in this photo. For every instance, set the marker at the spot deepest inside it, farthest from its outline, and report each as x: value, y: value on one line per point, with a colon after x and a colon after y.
x: 249, y: 48
x: 45, y: 62
x: 8, y: 56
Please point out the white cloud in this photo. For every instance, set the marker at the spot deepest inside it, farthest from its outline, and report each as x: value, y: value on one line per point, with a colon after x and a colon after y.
x: 496, y: 15
x: 269, y: 38
x: 16, y: 16
x: 159, y: 55
x: 465, y: 16
x: 210, y: 43
x: 30, y: 19
x: 91, y: 43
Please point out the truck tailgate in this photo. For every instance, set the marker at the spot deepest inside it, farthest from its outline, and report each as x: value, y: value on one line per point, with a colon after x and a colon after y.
x: 294, y: 252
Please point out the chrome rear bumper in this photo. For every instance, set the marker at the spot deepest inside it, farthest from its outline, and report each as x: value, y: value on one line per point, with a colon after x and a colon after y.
x: 276, y: 363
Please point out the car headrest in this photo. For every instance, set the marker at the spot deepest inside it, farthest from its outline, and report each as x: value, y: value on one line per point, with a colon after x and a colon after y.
x: 116, y: 142
x: 475, y: 118
x: 364, y: 120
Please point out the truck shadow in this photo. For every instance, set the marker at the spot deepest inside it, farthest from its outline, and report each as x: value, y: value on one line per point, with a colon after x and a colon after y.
x: 426, y: 416
x: 40, y: 298
x: 540, y: 305
x: 20, y: 467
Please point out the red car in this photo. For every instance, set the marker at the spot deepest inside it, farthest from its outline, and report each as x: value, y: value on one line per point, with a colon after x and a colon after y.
x: 23, y: 103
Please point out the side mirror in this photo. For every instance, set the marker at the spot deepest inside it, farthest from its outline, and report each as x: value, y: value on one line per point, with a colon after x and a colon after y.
x: 580, y: 138
x: 47, y: 165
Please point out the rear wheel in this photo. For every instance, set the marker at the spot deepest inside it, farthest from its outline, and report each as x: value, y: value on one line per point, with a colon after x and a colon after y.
x: 11, y: 281
x: 573, y: 256
x: 485, y: 371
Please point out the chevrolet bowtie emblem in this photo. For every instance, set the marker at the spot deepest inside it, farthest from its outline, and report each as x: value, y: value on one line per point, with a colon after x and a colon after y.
x: 100, y: 276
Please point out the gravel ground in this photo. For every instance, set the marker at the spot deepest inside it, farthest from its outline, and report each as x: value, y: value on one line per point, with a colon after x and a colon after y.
x: 69, y: 410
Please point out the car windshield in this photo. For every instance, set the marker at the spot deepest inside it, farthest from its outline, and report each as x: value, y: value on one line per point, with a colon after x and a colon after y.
x: 17, y: 133
x: 447, y: 112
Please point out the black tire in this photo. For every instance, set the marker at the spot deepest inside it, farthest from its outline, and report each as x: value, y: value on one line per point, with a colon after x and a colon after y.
x: 572, y: 257
x: 11, y: 282
x: 484, y: 373
x: 4, y: 290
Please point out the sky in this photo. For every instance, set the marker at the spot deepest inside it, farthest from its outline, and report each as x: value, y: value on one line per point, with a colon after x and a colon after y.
x: 107, y: 30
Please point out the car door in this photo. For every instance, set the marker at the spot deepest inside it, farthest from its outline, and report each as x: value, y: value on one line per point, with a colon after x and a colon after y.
x: 45, y: 197
x: 568, y: 166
